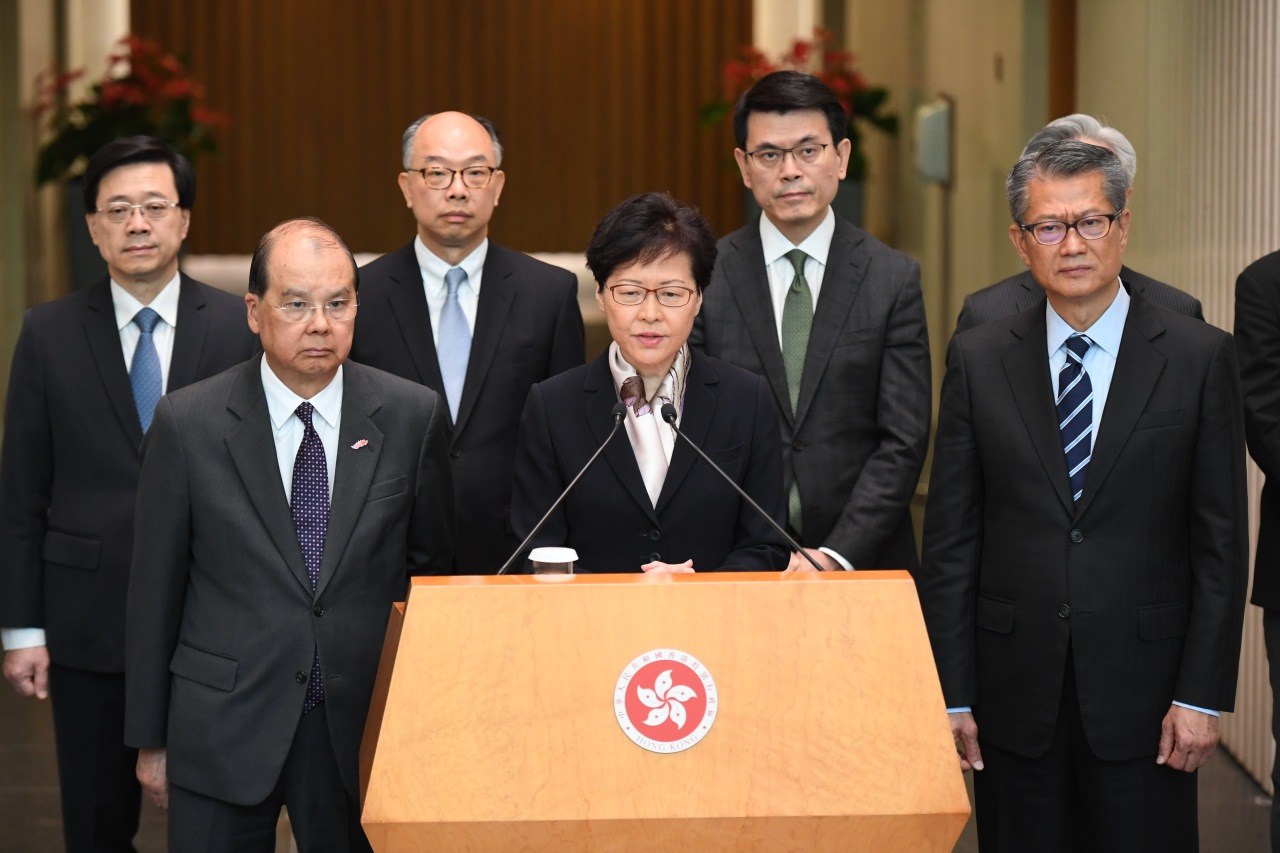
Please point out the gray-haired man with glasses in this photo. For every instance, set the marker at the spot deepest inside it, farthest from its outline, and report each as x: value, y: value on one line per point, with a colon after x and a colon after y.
x: 86, y: 374
x: 468, y: 318
x: 1020, y: 292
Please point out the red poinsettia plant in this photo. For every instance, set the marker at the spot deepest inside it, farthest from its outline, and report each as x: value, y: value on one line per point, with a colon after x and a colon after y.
x: 146, y: 90
x: 863, y: 102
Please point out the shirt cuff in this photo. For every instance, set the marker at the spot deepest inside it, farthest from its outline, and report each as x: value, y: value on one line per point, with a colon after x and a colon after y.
x: 844, y: 564
x: 21, y: 638
x: 962, y: 710
x: 1194, y: 708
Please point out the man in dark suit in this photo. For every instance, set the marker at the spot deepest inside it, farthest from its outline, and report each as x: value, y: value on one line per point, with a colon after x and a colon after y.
x: 834, y: 321
x: 1019, y: 293
x: 1258, y: 339
x: 282, y: 505
x: 469, y: 319
x: 86, y: 374
x: 1085, y: 538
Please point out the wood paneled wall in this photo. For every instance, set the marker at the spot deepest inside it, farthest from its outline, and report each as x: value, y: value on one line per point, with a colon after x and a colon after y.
x: 595, y: 100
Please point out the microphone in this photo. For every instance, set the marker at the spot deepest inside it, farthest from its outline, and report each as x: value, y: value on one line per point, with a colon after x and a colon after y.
x: 669, y: 415
x: 619, y: 412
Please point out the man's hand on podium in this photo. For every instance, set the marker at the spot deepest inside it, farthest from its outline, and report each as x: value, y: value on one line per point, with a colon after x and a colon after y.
x: 799, y: 564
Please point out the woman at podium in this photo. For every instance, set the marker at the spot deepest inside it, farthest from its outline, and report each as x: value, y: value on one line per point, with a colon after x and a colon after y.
x: 649, y: 503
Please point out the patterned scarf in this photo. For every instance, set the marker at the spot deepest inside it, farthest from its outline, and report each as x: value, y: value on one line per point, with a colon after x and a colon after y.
x: 651, y: 440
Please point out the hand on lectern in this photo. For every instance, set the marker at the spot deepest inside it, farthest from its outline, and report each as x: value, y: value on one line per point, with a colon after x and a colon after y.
x: 964, y: 730
x: 659, y: 568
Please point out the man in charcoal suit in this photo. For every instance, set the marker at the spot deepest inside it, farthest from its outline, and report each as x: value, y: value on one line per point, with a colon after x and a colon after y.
x: 282, y: 506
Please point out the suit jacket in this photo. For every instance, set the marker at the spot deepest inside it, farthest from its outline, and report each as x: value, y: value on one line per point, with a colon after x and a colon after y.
x: 857, y: 440
x: 608, y: 517
x: 1140, y: 586
x: 1020, y: 292
x: 222, y: 620
x: 528, y: 327
x: 1258, y: 339
x: 70, y: 462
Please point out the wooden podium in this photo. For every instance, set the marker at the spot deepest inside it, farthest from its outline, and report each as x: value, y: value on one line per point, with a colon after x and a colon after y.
x: 495, y: 723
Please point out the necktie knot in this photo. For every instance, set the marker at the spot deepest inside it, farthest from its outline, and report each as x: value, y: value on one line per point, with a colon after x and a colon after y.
x: 146, y: 320
x: 303, y: 412
x: 1078, y: 345
x: 797, y: 257
x: 454, y: 278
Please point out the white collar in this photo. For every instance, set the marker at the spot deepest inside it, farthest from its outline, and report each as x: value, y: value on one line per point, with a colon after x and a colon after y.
x: 817, y: 245
x: 165, y: 304
x: 282, y: 402
x: 433, y: 267
x: 1105, y: 332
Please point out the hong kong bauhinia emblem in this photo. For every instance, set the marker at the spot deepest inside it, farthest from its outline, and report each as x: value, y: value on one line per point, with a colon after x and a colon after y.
x: 665, y: 700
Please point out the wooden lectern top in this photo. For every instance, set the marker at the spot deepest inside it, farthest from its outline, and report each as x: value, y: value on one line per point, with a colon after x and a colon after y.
x: 495, y: 723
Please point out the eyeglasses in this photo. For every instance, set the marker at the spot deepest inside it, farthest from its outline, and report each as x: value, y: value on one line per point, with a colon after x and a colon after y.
x: 1051, y: 232
x: 441, y: 178
x: 769, y: 159
x: 668, y: 297
x: 155, y: 209
x: 334, y: 309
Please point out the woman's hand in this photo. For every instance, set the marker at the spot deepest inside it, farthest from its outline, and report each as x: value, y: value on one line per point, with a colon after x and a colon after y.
x: 660, y: 568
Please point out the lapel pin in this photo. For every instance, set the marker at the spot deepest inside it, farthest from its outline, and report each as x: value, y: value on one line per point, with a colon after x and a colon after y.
x: 359, y: 444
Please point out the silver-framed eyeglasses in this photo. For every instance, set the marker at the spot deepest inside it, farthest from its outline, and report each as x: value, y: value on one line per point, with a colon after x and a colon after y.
x: 335, y: 309
x: 668, y: 297
x: 769, y: 159
x: 153, y: 209
x: 1051, y: 232
x: 441, y: 177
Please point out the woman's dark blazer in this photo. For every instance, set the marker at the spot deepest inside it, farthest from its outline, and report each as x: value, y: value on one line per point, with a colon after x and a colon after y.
x: 609, y: 519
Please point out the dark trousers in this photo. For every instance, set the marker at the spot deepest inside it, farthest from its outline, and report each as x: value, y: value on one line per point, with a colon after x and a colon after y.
x: 97, y: 777
x: 1271, y: 634
x: 1070, y: 801
x: 324, y: 817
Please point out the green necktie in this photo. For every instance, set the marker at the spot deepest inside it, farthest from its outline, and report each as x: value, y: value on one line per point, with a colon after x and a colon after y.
x: 797, y: 319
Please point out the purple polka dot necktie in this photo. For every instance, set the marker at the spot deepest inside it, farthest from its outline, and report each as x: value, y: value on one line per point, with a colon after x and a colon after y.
x: 310, y: 508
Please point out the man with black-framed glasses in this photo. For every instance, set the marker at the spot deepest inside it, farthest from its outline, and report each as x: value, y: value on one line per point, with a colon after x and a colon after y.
x: 834, y: 320
x: 86, y: 374
x: 470, y: 319
x: 1085, y: 538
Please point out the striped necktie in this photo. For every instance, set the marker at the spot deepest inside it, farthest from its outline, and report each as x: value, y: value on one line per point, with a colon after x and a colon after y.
x: 1075, y: 412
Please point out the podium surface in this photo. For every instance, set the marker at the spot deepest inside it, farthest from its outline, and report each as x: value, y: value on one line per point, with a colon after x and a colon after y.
x: 498, y: 722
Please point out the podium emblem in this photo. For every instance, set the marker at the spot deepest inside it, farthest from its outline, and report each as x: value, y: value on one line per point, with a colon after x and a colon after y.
x: 665, y: 700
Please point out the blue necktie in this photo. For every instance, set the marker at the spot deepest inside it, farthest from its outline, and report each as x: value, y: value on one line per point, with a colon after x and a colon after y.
x: 309, y: 505
x: 454, y: 347
x: 144, y: 371
x: 1075, y: 412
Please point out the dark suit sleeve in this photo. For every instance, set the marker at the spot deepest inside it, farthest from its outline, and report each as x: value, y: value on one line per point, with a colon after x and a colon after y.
x: 568, y: 344
x: 431, y: 525
x: 26, y: 477
x: 948, y: 573
x: 1218, y: 542
x: 157, y: 580
x: 967, y: 318
x: 757, y: 546
x: 875, y: 507
x: 1258, y: 339
x: 537, y: 479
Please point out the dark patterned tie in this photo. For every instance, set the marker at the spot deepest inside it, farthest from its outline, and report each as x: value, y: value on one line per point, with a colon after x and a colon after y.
x: 1075, y: 412
x: 144, y: 370
x: 797, y: 320
x: 310, y: 507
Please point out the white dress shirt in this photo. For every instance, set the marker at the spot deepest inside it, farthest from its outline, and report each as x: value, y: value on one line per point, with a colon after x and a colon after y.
x: 287, y: 430
x: 433, y: 270
x: 126, y: 306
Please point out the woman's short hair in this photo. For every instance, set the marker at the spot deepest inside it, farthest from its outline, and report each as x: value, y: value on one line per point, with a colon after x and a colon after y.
x: 646, y: 228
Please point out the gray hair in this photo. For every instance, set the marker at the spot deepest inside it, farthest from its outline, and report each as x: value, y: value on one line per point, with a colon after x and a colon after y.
x: 1065, y: 159
x: 321, y: 237
x: 406, y: 141
x: 1082, y: 127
